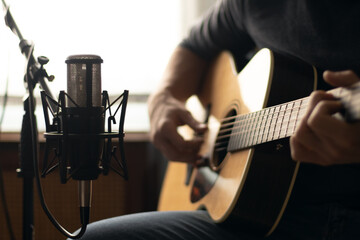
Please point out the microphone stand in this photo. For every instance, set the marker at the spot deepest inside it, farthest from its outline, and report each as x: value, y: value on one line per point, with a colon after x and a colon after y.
x: 35, y: 73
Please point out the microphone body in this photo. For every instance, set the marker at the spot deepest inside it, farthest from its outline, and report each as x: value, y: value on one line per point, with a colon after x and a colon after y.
x: 84, y: 119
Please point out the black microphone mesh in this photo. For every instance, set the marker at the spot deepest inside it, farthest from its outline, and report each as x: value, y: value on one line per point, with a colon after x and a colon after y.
x: 84, y: 80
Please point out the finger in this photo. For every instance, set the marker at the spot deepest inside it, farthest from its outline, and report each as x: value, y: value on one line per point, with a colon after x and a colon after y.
x: 340, y: 78
x: 342, y: 140
x: 304, y: 142
x: 302, y: 153
x: 173, y: 146
x: 322, y: 122
x: 188, y: 119
x: 333, y: 138
x: 316, y: 97
x: 173, y: 154
x: 170, y: 133
x: 306, y: 138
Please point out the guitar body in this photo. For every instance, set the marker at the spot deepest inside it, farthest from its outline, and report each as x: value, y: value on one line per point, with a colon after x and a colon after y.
x: 250, y: 187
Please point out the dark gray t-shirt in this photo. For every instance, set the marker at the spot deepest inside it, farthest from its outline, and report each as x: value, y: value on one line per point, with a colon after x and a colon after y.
x: 324, y: 33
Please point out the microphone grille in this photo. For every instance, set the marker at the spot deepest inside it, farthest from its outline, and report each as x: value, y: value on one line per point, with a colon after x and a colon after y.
x: 84, y: 80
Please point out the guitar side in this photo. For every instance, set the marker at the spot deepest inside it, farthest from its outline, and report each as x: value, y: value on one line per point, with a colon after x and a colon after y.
x: 246, y: 186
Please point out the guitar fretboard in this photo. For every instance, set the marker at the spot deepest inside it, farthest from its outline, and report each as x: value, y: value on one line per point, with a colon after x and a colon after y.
x: 277, y: 122
x: 266, y: 125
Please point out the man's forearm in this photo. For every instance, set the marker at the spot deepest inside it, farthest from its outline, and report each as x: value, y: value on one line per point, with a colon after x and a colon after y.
x: 183, y: 74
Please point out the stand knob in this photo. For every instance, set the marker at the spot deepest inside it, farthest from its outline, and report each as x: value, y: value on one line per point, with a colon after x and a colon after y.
x: 43, y: 60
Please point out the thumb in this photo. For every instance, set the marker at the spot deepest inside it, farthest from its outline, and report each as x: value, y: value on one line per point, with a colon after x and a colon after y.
x: 340, y: 78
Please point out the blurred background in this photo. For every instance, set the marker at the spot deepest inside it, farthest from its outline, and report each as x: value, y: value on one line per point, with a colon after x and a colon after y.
x: 135, y: 39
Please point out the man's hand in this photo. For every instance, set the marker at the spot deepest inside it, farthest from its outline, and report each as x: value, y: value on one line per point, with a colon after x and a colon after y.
x: 321, y: 138
x: 168, y: 114
x: 182, y: 78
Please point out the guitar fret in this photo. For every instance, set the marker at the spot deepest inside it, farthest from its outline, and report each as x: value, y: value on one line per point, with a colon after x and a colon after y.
x: 285, y: 123
x: 300, y: 112
x: 280, y: 121
x: 250, y: 129
x: 235, y: 133
x: 249, y: 134
x: 276, y: 122
x: 287, y: 115
x: 240, y: 134
x: 234, y: 141
x: 256, y: 128
x: 245, y: 132
x: 293, y: 117
x: 265, y: 126
x: 241, y: 130
x: 272, y: 124
x: 268, y: 125
x: 260, y: 128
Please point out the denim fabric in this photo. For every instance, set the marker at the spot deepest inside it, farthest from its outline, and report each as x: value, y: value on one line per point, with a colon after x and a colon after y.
x: 320, y: 222
x: 326, y: 222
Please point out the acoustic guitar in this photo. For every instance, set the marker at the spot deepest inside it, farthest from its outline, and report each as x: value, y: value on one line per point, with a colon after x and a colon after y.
x: 250, y: 174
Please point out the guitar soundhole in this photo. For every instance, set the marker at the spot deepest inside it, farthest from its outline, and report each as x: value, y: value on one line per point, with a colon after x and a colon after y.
x: 222, y: 140
x: 206, y: 176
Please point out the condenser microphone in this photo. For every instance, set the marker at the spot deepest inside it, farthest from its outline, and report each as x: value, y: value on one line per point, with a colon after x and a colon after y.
x: 84, y: 118
x: 77, y: 134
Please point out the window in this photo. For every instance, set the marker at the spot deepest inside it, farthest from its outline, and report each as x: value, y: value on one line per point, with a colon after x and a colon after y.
x: 134, y: 38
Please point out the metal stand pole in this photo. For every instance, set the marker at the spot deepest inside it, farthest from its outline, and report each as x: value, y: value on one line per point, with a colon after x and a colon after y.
x: 26, y: 171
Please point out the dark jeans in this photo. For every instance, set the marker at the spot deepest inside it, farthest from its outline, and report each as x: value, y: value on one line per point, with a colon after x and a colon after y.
x: 328, y: 221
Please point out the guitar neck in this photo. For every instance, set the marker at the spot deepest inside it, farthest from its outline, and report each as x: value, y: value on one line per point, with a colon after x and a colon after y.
x: 266, y: 125
x: 280, y: 121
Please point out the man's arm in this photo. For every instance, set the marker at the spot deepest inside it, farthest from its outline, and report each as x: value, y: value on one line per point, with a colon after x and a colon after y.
x: 181, y: 79
x: 322, y: 139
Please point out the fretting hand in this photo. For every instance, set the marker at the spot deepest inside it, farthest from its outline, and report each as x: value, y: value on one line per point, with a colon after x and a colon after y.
x: 321, y: 138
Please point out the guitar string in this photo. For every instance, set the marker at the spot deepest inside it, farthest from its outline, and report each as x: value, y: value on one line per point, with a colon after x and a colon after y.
x: 266, y: 135
x: 338, y: 93
x: 269, y: 130
x: 225, y: 128
x: 269, y: 127
x: 266, y: 126
x: 226, y: 122
x: 241, y: 124
x: 301, y: 101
